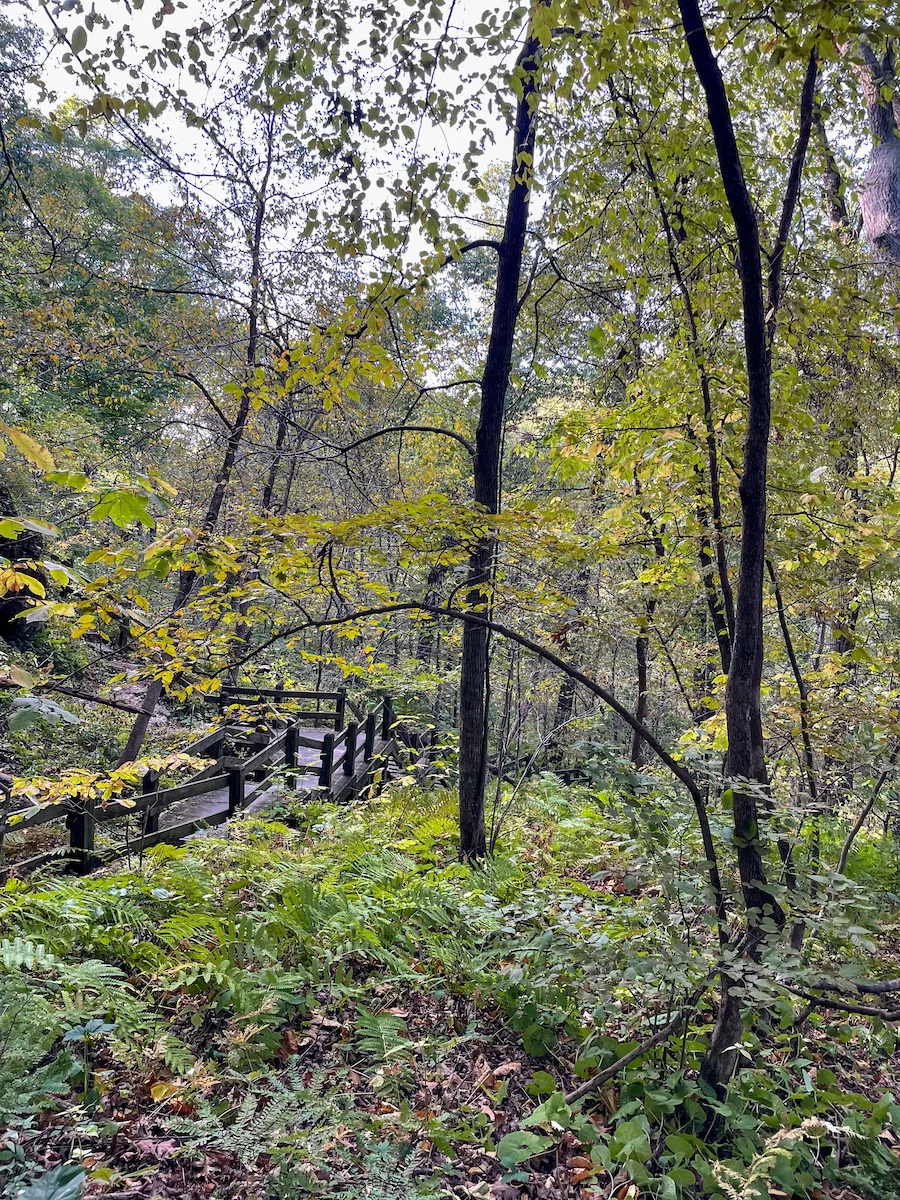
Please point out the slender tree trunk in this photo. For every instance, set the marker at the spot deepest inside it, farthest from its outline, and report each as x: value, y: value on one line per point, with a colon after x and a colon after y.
x: 641, y: 652
x: 235, y: 437
x: 474, y: 691
x: 746, y: 747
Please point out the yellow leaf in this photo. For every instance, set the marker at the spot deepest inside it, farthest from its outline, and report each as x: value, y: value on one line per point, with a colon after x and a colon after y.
x: 20, y: 676
x: 163, y: 1090
x: 28, y: 447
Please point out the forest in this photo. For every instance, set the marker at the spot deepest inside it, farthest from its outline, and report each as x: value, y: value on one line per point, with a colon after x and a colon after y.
x: 449, y: 600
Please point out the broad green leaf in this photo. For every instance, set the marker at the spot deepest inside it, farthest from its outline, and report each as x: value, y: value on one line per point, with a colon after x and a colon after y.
x: 630, y: 1140
x: 519, y: 1146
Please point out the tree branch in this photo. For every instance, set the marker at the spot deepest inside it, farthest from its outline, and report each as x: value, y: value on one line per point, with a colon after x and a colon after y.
x: 681, y: 774
x: 661, y: 1035
x: 369, y: 437
x: 792, y: 191
x: 482, y: 243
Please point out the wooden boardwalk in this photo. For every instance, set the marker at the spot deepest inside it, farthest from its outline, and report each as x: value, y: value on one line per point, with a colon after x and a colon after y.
x: 267, y: 744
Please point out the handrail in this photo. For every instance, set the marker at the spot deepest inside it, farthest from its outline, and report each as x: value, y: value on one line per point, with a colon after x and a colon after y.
x: 284, y: 693
x: 350, y: 751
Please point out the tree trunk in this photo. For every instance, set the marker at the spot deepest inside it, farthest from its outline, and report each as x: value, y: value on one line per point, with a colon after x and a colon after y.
x: 474, y: 691
x: 235, y: 437
x: 746, y: 746
x: 879, y: 193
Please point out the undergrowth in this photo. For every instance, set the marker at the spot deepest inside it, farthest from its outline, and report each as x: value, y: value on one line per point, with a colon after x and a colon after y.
x: 329, y: 1004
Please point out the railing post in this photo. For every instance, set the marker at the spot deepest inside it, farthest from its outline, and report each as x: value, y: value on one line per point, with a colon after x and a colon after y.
x: 327, y: 760
x: 235, y: 790
x: 291, y: 748
x: 149, y: 784
x: 350, y: 753
x: 81, y: 839
x: 387, y: 716
x: 341, y: 709
x: 369, y: 745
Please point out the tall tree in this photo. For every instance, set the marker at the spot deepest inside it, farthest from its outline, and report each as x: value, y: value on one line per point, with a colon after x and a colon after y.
x: 475, y: 677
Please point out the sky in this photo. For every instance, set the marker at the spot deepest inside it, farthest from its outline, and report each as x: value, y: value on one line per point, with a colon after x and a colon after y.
x: 190, y: 145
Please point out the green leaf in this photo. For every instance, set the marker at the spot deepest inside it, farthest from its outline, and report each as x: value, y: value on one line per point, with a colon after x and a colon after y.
x: 542, y: 1084
x: 519, y: 1146
x: 553, y: 1113
x: 630, y: 1141
x: 78, y: 39
x: 76, y: 480
x: 122, y: 507
x: 62, y: 1183
x: 538, y: 1039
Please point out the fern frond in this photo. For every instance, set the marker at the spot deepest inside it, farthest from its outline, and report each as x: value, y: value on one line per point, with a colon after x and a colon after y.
x: 20, y: 952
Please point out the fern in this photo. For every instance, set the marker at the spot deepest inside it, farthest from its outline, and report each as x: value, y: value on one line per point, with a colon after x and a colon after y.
x: 270, y: 1114
x: 177, y: 1056
x: 390, y: 1173
x: 384, y: 1039
x: 20, y: 952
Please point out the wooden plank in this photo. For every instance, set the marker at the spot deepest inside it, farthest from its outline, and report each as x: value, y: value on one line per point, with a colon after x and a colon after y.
x: 25, y: 866
x: 309, y: 743
x: 204, y: 742
x: 230, y: 690
x: 214, y: 768
x: 265, y: 785
x: 274, y: 749
x: 311, y: 715
x: 175, y: 833
x: 36, y: 815
x: 161, y: 800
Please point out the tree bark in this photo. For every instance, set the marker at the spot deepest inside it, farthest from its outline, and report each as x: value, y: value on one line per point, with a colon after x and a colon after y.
x: 879, y: 193
x: 746, y: 766
x: 235, y: 437
x: 474, y: 691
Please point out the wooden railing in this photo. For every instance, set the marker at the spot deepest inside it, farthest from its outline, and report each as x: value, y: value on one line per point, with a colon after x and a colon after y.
x: 279, y: 698
x: 345, y: 762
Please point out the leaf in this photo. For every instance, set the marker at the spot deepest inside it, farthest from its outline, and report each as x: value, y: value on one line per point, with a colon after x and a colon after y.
x: 164, y: 1089
x: 62, y: 1183
x: 542, y: 1084
x: 538, y: 1039
x: 122, y: 507
x: 553, y: 1113
x: 519, y: 1146
x: 31, y: 709
x: 20, y: 676
x: 76, y: 480
x: 630, y: 1141
x: 28, y: 447
x: 57, y: 572
x: 17, y: 581
x: 23, y: 719
x: 78, y: 39
x: 36, y: 526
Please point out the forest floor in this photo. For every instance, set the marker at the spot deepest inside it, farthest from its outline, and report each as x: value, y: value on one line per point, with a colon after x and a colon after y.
x: 326, y: 1004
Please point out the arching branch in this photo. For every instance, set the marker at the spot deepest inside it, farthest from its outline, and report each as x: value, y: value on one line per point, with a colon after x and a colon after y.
x: 370, y: 437
x: 683, y: 776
